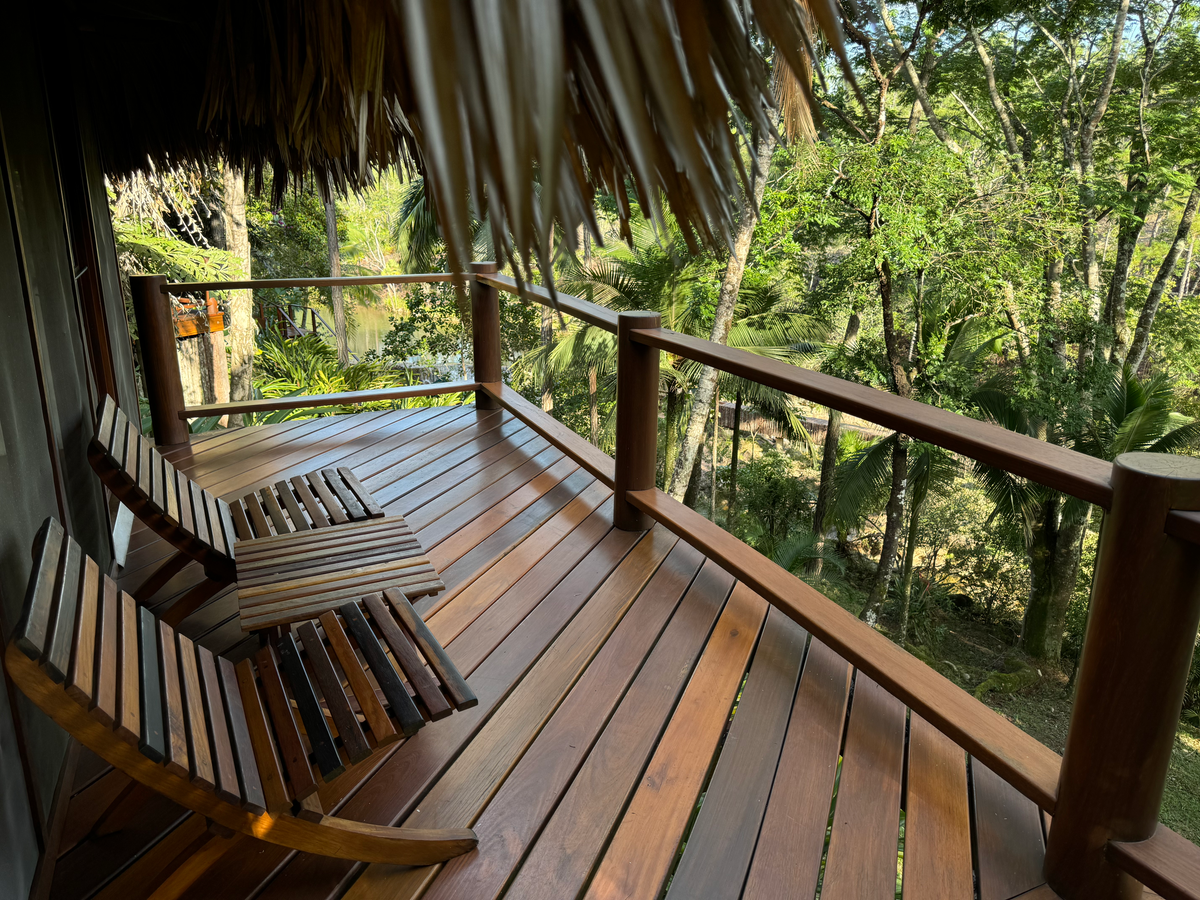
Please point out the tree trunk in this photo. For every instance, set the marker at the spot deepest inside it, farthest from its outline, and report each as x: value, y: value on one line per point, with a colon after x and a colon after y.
x: 1128, y: 232
x: 731, y: 511
x: 241, y: 303
x: 335, y: 271
x: 712, y: 511
x: 833, y: 436
x: 691, y: 497
x: 891, y: 532
x: 1141, y: 337
x: 668, y: 441
x: 547, y: 378
x: 1054, y: 554
x: 731, y: 284
x: 906, y: 571
x: 593, y: 407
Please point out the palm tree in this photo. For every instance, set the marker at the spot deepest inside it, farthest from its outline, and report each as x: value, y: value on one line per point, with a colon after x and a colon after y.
x: 1127, y: 415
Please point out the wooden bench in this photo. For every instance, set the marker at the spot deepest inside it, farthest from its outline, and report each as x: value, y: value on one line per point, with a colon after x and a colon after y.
x: 296, y: 548
x: 246, y: 745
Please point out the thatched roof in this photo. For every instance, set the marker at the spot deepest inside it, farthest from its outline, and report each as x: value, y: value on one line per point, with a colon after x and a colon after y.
x: 486, y: 99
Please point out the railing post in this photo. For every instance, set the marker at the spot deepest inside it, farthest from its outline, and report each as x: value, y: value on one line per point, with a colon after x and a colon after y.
x: 1141, y: 631
x: 160, y: 363
x: 637, y: 419
x: 485, y: 332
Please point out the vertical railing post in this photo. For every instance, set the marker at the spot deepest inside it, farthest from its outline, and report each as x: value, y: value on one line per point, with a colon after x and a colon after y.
x: 637, y: 419
x: 1141, y: 631
x: 485, y: 333
x: 160, y: 363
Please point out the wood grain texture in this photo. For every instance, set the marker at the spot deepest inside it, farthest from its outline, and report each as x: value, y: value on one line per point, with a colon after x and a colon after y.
x: 1009, y: 840
x: 381, y: 726
x: 1022, y: 760
x: 295, y: 513
x: 174, y: 715
x: 315, y: 512
x: 61, y: 637
x: 641, y: 852
x: 324, y: 753
x: 104, y: 703
x: 275, y: 511
x: 81, y: 679
x: 200, y: 754
x: 787, y: 860
x: 937, y: 823
x: 721, y: 845
x: 1167, y: 863
x: 333, y: 509
x: 406, y: 656
x: 354, y: 742
x: 345, y: 496
x: 218, y: 728
x: 33, y: 629
x: 861, y: 860
x: 407, y: 716
x: 249, y: 780
x: 287, y: 736
x: 460, y: 693
x: 266, y: 755
x: 373, y: 509
x: 129, y: 701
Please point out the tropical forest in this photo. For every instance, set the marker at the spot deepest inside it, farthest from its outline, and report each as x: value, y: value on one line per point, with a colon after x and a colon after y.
x: 993, y: 212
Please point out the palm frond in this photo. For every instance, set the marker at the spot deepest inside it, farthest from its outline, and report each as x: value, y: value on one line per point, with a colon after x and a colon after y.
x: 861, y: 481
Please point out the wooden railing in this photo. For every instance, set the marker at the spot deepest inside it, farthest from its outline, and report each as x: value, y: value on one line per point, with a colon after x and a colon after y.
x: 1106, y: 791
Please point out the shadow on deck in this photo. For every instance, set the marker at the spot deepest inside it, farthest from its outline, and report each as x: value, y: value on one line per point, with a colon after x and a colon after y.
x: 607, y: 666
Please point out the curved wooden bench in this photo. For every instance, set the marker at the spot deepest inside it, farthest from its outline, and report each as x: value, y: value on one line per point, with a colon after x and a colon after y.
x: 235, y: 541
x: 220, y: 739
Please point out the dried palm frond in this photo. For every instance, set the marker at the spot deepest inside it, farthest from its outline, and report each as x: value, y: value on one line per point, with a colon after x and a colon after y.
x: 648, y: 100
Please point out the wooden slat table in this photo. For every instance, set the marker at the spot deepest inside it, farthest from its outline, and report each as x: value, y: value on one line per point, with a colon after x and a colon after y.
x: 295, y: 576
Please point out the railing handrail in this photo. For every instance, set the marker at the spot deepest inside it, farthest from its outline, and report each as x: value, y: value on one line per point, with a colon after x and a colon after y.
x: 187, y: 287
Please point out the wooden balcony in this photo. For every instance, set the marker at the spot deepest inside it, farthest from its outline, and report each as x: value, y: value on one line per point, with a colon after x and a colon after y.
x: 608, y: 664
x: 654, y: 718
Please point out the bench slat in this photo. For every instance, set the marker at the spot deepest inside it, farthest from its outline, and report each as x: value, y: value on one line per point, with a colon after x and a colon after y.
x: 319, y: 737
x: 381, y: 726
x: 291, y: 747
x: 373, y: 509
x: 402, y: 706
x: 199, y: 749
x: 81, y: 683
x: 406, y: 655
x: 34, y: 627
x: 104, y: 702
x: 66, y: 602
x: 129, y: 700
x: 354, y: 742
x: 218, y: 728
x: 249, y: 781
x: 152, y: 740
x: 334, y: 509
x: 175, y: 718
x: 345, y: 496
x: 275, y: 511
x: 266, y: 756
x: 460, y: 691
x: 304, y: 492
x: 299, y: 522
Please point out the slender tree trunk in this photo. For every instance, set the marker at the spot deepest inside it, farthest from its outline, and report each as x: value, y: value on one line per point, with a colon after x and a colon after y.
x: 692, y: 496
x: 1181, y: 291
x: 241, y: 303
x: 1141, y: 337
x: 731, y: 511
x: 670, y: 414
x: 1128, y: 232
x: 593, y: 408
x: 712, y: 510
x: 731, y: 284
x: 906, y: 570
x: 335, y: 271
x: 833, y: 436
x: 547, y: 378
x: 891, y: 532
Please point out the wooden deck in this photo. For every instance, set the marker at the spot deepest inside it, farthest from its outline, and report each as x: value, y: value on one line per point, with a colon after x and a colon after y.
x: 607, y: 665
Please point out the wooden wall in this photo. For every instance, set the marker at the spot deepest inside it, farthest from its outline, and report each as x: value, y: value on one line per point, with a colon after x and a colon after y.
x: 62, y: 340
